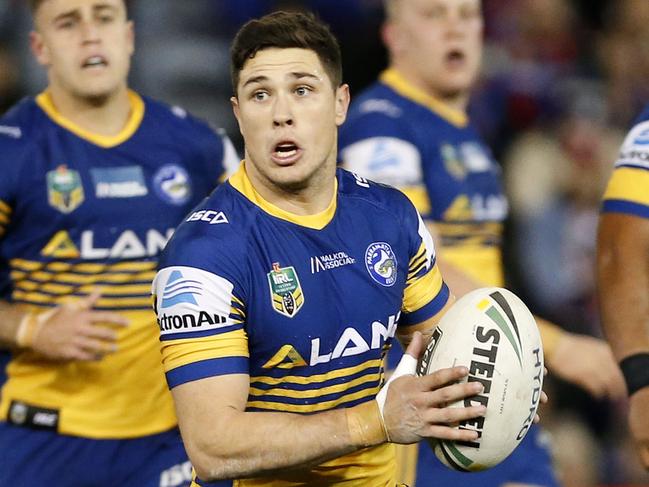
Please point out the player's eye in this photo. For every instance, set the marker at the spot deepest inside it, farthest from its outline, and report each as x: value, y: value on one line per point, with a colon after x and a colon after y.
x: 302, y: 90
x: 106, y: 19
x: 260, y: 95
x: 65, y: 24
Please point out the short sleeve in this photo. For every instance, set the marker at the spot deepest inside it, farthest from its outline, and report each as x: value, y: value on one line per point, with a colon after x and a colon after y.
x: 200, y: 307
x: 628, y: 188
x: 378, y: 145
x: 426, y: 293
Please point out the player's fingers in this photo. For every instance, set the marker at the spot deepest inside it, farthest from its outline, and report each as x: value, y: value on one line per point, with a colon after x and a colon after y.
x: 97, y: 347
x: 644, y: 454
x: 615, y: 384
x: 448, y: 433
x: 79, y: 354
x: 544, y: 397
x: 89, y: 301
x: 416, y: 346
x: 453, y: 415
x: 442, y: 377
x: 107, y: 317
x: 100, y: 333
x: 452, y: 393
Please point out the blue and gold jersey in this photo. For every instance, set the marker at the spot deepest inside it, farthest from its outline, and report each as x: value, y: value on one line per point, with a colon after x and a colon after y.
x: 628, y: 188
x: 79, y: 211
x: 398, y: 135
x: 307, y: 306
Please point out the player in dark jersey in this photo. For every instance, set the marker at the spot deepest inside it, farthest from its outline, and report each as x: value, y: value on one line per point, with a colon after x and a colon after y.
x: 94, y: 180
x: 279, y: 296
x: 411, y: 130
x: 623, y: 279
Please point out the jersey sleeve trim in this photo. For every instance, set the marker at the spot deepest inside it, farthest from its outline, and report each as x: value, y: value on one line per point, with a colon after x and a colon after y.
x: 626, y: 207
x: 193, y: 350
x: 427, y: 311
x: 206, y: 368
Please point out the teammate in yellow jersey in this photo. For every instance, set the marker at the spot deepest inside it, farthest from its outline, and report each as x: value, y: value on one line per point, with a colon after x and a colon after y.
x: 275, y: 321
x: 623, y: 279
x: 94, y: 180
x: 411, y: 130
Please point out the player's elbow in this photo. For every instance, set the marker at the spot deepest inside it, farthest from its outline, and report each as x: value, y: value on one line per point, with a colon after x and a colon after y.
x: 209, y: 462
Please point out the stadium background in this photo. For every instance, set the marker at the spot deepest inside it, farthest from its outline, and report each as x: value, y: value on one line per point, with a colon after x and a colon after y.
x: 562, y: 81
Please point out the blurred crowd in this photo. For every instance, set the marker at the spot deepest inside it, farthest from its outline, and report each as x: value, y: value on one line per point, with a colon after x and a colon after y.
x: 562, y: 81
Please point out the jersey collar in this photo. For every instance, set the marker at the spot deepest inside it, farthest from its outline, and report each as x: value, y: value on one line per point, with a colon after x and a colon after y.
x: 44, y: 101
x: 241, y: 182
x: 392, y: 78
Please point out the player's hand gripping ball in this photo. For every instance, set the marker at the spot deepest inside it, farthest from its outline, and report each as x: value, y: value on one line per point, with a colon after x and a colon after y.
x: 490, y: 331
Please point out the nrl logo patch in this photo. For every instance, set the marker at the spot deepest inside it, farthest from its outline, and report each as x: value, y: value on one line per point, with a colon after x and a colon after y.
x: 285, y: 290
x: 64, y: 189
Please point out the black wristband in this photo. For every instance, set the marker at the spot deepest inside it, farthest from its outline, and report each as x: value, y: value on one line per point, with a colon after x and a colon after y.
x: 635, y: 369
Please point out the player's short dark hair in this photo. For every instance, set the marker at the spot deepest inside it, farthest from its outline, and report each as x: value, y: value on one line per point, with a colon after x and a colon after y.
x: 286, y: 30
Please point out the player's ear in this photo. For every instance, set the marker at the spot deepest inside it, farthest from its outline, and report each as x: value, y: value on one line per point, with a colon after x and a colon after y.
x: 39, y: 49
x: 131, y: 37
x: 234, y: 101
x: 342, y: 103
x: 392, y: 37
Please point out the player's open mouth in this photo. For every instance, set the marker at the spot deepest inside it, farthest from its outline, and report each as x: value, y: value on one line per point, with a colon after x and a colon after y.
x: 286, y: 152
x: 455, y: 56
x: 94, y: 62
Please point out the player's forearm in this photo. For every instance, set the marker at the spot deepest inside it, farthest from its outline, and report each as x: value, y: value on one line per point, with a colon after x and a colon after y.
x: 11, y: 316
x: 253, y: 444
x: 623, y: 281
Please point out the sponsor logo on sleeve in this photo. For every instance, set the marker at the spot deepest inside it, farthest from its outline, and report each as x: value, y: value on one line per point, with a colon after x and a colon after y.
x: 212, y: 217
x: 635, y: 149
x: 189, y: 300
x: 381, y: 263
x: 13, y: 132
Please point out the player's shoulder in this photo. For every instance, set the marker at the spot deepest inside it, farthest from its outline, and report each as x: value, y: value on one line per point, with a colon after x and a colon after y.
x: 20, y: 129
x: 21, y: 121
x: 179, y: 120
x: 366, y: 192
x: 215, y: 228
x: 635, y: 148
x: 644, y: 115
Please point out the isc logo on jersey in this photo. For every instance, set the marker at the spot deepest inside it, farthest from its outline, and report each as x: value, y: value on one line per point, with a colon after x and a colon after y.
x: 127, y: 245
x: 189, y: 300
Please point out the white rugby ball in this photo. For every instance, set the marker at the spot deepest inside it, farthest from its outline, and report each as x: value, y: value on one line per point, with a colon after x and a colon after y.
x: 490, y: 331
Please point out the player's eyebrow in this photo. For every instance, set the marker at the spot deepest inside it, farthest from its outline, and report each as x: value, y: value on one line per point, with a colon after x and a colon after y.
x: 296, y: 75
x: 70, y: 14
x: 255, y: 79
x: 73, y: 14
x: 300, y: 75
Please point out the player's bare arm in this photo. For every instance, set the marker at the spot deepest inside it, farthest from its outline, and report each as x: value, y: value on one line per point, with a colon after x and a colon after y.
x: 72, y: 331
x: 623, y: 280
x: 224, y: 441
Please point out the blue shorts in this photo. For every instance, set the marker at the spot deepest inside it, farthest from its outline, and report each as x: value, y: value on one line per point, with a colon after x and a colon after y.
x: 530, y: 463
x: 33, y: 458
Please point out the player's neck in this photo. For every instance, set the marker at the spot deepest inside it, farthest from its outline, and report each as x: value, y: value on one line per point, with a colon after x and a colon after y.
x: 312, y: 199
x: 105, y: 116
x: 457, y: 101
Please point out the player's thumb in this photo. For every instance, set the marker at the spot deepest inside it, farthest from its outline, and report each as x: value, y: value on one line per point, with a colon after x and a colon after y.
x: 416, y: 346
x: 89, y: 301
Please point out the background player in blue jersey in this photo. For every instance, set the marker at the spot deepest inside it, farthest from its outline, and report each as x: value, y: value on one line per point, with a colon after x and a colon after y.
x: 623, y: 278
x: 94, y: 180
x: 411, y: 130
x: 279, y: 296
